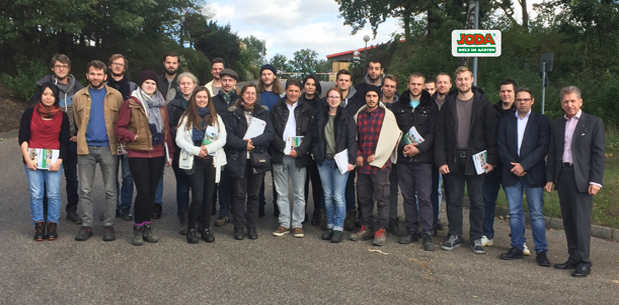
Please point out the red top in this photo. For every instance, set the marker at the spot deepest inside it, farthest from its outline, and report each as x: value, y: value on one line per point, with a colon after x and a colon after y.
x: 44, y: 133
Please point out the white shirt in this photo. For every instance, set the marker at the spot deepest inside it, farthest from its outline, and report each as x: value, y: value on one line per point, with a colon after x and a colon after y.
x: 522, y: 126
x: 291, y: 124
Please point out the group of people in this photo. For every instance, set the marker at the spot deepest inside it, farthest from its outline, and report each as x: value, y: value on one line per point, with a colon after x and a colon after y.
x: 220, y: 140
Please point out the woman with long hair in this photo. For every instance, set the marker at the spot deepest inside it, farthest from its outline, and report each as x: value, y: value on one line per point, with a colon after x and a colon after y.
x: 143, y: 126
x: 245, y: 181
x: 44, y: 137
x: 201, y: 136
x: 335, y: 131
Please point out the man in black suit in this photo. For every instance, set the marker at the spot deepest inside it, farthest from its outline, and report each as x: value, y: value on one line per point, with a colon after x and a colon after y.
x: 522, y: 145
x: 576, y: 168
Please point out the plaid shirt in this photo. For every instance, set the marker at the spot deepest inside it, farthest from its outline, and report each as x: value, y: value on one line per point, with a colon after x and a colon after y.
x: 368, y: 130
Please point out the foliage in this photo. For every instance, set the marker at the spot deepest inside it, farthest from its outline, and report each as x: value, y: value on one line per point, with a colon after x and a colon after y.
x: 23, y: 82
x: 280, y: 62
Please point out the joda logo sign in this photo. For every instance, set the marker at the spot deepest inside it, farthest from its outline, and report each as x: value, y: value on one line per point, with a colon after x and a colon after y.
x: 476, y: 43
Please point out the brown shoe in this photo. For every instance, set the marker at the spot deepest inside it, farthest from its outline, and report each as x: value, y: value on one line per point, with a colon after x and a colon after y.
x: 364, y: 233
x: 298, y: 232
x: 281, y: 231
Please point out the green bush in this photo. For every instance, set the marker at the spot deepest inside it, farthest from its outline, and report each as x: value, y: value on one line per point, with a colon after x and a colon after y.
x: 28, y: 73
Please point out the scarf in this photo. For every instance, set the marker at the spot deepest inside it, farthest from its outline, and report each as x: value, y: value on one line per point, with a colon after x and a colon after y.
x: 198, y: 133
x: 184, y: 102
x: 47, y: 112
x: 227, y: 96
x: 245, y: 107
x: 152, y: 105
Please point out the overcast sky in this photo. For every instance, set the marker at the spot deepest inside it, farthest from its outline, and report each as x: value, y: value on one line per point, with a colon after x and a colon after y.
x: 292, y: 25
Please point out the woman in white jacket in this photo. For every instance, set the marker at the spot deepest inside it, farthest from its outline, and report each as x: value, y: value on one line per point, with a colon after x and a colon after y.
x: 201, y: 136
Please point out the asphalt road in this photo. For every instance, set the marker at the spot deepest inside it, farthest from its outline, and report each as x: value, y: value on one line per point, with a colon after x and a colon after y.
x: 270, y: 270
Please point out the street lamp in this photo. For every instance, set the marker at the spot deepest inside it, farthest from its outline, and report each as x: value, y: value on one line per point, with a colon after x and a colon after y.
x: 366, y: 38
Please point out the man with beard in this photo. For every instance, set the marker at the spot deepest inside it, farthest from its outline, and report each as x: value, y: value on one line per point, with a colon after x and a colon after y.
x: 167, y: 83
x: 374, y: 76
x: 269, y: 87
x: 118, y: 65
x: 96, y: 112
x: 217, y: 65
x: 67, y: 86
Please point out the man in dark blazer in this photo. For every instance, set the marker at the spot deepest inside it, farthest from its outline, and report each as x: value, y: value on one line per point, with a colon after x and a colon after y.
x: 522, y: 145
x: 576, y: 168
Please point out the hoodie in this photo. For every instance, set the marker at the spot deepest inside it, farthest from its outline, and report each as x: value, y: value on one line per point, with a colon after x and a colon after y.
x: 65, y: 93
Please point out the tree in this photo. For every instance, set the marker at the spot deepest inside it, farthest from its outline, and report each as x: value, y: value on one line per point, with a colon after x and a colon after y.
x: 256, y: 48
x: 280, y: 62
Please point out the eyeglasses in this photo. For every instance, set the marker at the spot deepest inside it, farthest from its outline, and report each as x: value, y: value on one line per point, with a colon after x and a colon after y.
x: 61, y: 67
x: 118, y: 64
x: 333, y: 97
x: 519, y: 100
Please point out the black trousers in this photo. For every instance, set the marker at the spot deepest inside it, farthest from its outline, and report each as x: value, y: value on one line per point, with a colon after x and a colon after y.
x: 317, y: 194
x: 146, y: 173
x: 371, y: 188
x: 576, y: 212
x: 414, y: 181
x: 246, y: 187
x: 202, y: 183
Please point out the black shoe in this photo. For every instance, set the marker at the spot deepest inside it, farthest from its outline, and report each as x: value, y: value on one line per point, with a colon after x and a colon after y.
x: 138, y: 236
x: 125, y: 214
x: 73, y: 217
x: 252, y: 234
x: 513, y: 253
x: 207, y: 235
x: 108, y: 233
x: 410, y: 237
x: 158, y: 210
x: 192, y: 236
x: 148, y: 235
x: 394, y: 227
x: 439, y: 226
x: 84, y: 233
x: 566, y: 265
x: 581, y: 271
x: 542, y: 259
x: 336, y: 237
x: 315, y: 218
x: 238, y: 234
x: 326, y: 235
x: 428, y: 242
x: 52, y: 231
x: 39, y: 231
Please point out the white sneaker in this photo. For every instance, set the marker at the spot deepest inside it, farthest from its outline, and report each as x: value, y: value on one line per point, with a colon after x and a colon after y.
x: 526, y: 251
x: 485, y: 241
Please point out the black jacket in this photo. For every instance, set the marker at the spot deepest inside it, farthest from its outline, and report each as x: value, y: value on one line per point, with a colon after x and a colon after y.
x: 236, y: 147
x: 482, y: 134
x: 175, y: 111
x: 162, y: 84
x: 303, y: 114
x: 345, y: 130
x: 423, y: 117
x: 220, y: 103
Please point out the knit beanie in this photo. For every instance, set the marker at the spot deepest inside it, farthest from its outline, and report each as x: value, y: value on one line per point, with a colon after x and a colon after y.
x: 268, y: 67
x: 375, y: 89
x: 148, y: 74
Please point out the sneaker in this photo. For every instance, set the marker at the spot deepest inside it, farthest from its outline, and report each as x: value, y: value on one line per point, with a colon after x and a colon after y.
x: 125, y: 214
x: 526, y: 251
x: 84, y: 233
x: 379, y: 238
x: 363, y: 233
x: 52, y: 232
x: 428, y: 242
x: 454, y: 241
x: 336, y: 237
x: 512, y: 254
x: 148, y: 235
x: 477, y: 247
x: 221, y: 220
x: 39, y: 231
x: 108, y: 233
x: 157, y: 211
x: 138, y: 236
x: 485, y: 241
x: 298, y: 232
x: 281, y: 231
x: 326, y: 235
x: 73, y: 217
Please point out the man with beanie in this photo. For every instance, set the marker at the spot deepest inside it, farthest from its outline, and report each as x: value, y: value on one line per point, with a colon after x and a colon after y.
x: 269, y: 87
x: 96, y: 112
x: 67, y: 85
x: 378, y: 136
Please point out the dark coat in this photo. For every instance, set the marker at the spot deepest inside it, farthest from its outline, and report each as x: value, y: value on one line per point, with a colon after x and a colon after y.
x: 279, y: 116
x: 532, y: 151
x: 175, y: 111
x: 423, y: 117
x: 345, y: 130
x: 236, y: 147
x: 482, y: 134
x: 162, y: 84
x: 220, y: 103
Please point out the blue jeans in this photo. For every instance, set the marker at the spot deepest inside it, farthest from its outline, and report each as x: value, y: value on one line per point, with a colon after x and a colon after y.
x: 126, y: 188
x: 535, y: 200
x: 281, y: 173
x: 334, y: 188
x: 43, y: 181
x: 492, y: 184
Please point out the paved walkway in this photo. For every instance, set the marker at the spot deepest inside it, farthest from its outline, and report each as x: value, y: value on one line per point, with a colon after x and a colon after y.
x: 271, y: 270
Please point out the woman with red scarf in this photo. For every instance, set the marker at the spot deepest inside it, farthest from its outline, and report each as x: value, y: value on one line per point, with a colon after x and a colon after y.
x: 43, y: 139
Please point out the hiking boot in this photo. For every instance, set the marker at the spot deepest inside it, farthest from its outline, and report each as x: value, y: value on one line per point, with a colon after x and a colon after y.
x: 454, y: 241
x: 252, y: 234
x: 125, y: 214
x: 394, y: 227
x: 336, y: 237
x: 39, y: 231
x: 362, y: 234
x: 379, y: 238
x: 84, y: 233
x: 148, y: 235
x: 207, y: 235
x: 477, y: 247
x: 428, y: 242
x: 138, y: 236
x: 298, y: 232
x: 192, y: 236
x: 326, y: 235
x: 73, y: 217
x: 349, y: 221
x: 281, y: 231
x: 182, y: 220
x: 323, y: 219
x: 157, y: 211
x: 52, y: 231
x: 108, y: 233
x: 486, y: 242
x: 221, y: 220
x: 410, y: 237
